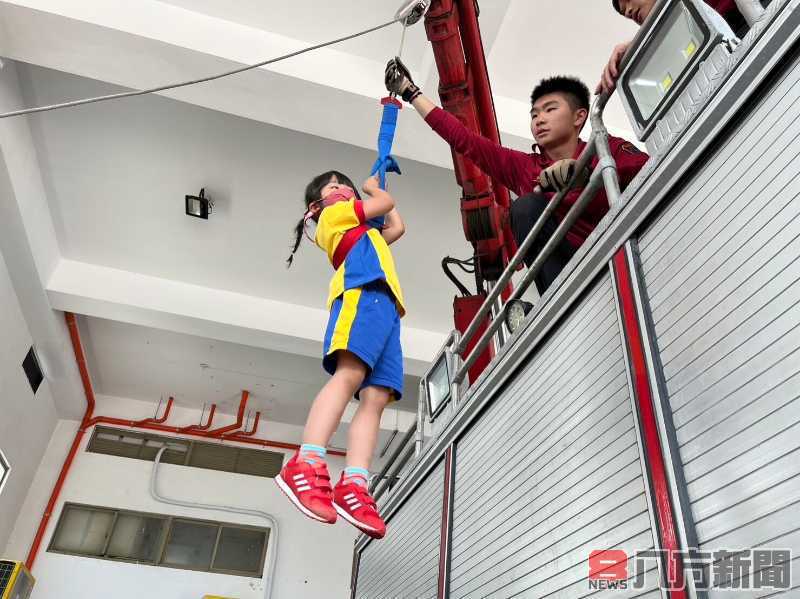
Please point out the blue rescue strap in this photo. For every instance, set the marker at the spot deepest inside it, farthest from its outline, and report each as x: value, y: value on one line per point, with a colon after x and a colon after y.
x: 386, y: 162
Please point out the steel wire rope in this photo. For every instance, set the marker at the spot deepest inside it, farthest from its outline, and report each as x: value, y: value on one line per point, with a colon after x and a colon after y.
x: 142, y: 92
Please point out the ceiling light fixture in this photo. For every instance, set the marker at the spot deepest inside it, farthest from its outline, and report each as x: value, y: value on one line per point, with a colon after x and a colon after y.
x: 199, y: 206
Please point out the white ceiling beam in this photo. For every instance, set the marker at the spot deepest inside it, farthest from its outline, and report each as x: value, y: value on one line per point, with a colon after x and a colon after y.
x: 166, y: 304
x: 138, y: 45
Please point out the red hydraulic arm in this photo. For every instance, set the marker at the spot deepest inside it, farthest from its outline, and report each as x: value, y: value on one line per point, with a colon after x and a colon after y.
x: 453, y: 30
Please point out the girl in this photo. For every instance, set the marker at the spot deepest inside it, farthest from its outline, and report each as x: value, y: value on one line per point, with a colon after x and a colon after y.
x: 362, y: 350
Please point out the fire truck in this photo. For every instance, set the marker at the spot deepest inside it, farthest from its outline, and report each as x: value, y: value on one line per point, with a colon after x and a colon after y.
x: 635, y: 432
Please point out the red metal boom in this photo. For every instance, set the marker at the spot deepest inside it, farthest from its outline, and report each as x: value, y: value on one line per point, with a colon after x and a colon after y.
x: 464, y: 89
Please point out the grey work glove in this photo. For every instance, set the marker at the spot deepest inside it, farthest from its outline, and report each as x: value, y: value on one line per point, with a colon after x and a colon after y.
x: 556, y: 176
x: 398, y: 81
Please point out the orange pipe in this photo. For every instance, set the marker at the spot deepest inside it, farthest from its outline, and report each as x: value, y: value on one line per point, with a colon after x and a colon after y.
x: 218, y: 432
x: 177, y: 430
x: 245, y: 433
x: 89, y: 420
x: 80, y: 358
x: 202, y: 427
x: 158, y: 420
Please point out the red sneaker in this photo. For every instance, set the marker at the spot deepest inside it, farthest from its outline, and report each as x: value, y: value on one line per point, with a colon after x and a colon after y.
x: 354, y: 503
x: 308, y: 486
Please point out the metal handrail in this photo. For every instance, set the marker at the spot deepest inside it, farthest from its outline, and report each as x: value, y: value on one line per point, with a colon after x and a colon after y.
x: 604, y: 174
x: 752, y: 10
x: 406, y: 449
x: 419, y: 436
x: 393, y: 474
x: 404, y: 442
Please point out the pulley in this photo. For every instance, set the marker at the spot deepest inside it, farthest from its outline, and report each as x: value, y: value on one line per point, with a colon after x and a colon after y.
x: 412, y: 11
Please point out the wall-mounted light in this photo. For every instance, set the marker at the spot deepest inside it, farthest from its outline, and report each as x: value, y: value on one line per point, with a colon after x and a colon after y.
x: 199, y: 206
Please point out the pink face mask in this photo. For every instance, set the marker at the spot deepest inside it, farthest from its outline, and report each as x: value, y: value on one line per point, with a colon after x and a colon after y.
x: 342, y: 194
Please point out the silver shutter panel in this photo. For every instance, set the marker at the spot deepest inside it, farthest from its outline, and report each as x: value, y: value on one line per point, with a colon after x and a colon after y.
x: 406, y: 562
x: 722, y: 272
x: 552, y: 470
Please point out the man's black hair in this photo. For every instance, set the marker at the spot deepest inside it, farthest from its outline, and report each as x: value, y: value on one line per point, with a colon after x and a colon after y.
x: 615, y: 4
x: 573, y: 88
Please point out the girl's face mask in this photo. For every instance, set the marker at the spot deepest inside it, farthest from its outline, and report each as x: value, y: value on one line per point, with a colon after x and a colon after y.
x: 341, y: 194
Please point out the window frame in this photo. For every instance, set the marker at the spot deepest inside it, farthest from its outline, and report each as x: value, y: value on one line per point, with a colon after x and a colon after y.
x: 61, y: 523
x: 168, y: 520
x: 262, y: 558
x: 161, y: 547
x: 190, y: 445
x: 168, y: 538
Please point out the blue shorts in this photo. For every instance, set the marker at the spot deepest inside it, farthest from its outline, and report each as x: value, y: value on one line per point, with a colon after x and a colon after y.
x: 365, y: 321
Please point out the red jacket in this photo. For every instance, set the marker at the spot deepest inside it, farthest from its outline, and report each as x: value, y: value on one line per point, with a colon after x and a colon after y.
x: 729, y: 12
x: 519, y: 171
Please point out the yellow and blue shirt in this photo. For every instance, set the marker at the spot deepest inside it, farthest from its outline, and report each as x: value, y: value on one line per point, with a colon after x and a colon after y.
x: 357, y: 250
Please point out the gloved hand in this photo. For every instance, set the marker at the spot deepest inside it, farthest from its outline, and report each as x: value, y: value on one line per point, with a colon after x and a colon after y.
x: 556, y: 176
x: 398, y: 80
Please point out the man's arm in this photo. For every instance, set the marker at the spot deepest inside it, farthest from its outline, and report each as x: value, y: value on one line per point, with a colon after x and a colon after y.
x: 509, y: 167
x: 513, y: 169
x: 608, y: 80
x: 423, y: 105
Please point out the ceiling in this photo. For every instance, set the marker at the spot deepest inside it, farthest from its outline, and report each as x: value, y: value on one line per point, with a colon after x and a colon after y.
x: 148, y: 364
x: 163, y: 294
x: 312, y: 21
x: 117, y: 176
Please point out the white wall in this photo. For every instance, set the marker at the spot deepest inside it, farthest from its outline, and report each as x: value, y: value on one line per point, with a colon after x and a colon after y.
x: 26, y: 422
x: 28, y: 254
x: 30, y: 248
x: 314, y: 560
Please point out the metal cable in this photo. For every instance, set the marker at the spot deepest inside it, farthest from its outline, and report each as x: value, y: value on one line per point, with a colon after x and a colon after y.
x: 142, y: 92
x: 462, y: 264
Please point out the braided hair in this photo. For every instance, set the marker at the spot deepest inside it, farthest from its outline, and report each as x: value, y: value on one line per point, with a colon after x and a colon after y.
x: 314, y: 193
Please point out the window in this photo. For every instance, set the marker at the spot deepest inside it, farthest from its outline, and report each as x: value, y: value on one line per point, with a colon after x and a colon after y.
x: 84, y: 531
x: 137, y: 537
x: 160, y: 540
x: 4, y: 471
x: 211, y: 456
x: 239, y: 550
x: 191, y: 545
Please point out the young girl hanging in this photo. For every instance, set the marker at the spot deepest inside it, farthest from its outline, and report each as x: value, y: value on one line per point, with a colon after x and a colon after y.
x: 361, y: 347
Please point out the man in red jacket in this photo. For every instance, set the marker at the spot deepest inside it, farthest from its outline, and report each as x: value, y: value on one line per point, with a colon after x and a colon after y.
x: 638, y: 10
x: 559, y: 109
